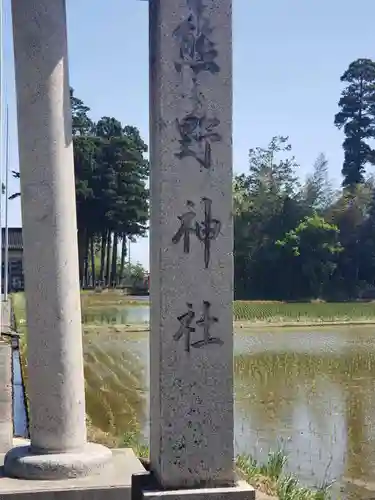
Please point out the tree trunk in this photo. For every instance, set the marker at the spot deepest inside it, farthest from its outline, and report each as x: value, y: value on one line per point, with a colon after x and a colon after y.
x: 102, y: 257
x: 123, y: 255
x: 86, y: 265
x: 81, y: 254
x: 108, y: 263
x: 114, y: 260
x: 92, y: 251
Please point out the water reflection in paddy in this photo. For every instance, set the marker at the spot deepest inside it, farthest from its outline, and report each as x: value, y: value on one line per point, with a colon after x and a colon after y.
x: 311, y: 391
x: 314, y: 390
x: 117, y: 316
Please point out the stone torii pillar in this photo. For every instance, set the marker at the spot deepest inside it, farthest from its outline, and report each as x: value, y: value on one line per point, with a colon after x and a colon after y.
x: 191, y: 338
x: 55, y: 360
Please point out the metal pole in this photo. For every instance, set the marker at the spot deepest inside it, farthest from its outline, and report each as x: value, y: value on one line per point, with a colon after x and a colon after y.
x: 2, y: 100
x: 6, y: 260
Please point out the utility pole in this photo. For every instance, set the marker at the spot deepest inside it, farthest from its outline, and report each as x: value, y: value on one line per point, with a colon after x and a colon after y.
x: 2, y: 100
x: 6, y: 246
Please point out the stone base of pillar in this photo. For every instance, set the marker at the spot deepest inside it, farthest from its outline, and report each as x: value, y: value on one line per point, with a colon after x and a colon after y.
x: 145, y: 487
x: 21, y: 463
x: 113, y: 483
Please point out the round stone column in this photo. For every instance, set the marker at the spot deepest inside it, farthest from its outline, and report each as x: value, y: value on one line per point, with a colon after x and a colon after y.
x: 55, y: 359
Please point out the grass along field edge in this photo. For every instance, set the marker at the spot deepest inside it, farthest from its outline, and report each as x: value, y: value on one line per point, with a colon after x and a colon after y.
x: 269, y: 478
x: 246, y: 314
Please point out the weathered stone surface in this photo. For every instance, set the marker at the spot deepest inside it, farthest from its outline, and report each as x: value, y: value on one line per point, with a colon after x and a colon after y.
x: 22, y: 463
x: 55, y: 359
x: 240, y: 491
x: 55, y: 362
x: 191, y: 341
x: 112, y: 484
x: 6, y: 417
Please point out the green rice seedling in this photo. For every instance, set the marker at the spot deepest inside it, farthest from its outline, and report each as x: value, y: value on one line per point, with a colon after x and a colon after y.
x: 303, y: 312
x: 248, y: 466
x: 288, y: 488
x: 275, y: 464
x: 132, y: 439
x: 270, y: 479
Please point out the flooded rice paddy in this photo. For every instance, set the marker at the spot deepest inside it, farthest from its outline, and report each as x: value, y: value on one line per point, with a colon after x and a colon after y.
x: 117, y: 315
x: 310, y: 391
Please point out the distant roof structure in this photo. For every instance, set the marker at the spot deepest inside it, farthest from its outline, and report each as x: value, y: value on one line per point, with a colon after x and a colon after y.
x: 15, y: 238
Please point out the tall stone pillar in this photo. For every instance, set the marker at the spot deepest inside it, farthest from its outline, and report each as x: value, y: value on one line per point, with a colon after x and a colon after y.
x: 55, y: 359
x: 191, y: 340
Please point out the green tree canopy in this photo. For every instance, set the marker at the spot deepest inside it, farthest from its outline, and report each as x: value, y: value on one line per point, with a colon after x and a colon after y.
x: 312, y: 246
x: 356, y: 116
x: 266, y: 202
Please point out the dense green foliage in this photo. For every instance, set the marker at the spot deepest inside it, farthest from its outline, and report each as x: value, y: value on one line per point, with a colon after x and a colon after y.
x: 304, y: 240
x: 111, y: 195
x: 294, y: 239
x: 287, y: 245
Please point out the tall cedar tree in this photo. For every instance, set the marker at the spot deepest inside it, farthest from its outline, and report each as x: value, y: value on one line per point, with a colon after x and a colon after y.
x: 111, y: 194
x: 356, y: 115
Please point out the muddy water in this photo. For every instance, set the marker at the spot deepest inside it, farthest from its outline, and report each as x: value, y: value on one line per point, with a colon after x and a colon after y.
x: 310, y: 391
x: 117, y: 316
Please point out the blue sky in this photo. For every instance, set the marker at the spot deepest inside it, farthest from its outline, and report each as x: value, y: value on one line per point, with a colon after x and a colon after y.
x: 288, y: 59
